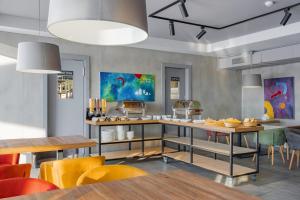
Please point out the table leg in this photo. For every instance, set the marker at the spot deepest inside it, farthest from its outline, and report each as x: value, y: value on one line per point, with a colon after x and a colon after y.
x: 239, y: 139
x: 231, y: 155
x: 100, y: 136
x: 90, y: 137
x: 184, y: 134
x: 191, y: 146
x: 59, y: 154
x: 215, y: 139
x: 258, y: 151
x: 77, y: 153
x: 163, y: 128
x: 33, y: 160
x: 143, y: 139
x: 178, y: 134
x: 129, y: 144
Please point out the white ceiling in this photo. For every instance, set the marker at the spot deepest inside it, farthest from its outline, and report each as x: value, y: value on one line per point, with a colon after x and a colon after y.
x: 209, y: 12
x: 219, y: 13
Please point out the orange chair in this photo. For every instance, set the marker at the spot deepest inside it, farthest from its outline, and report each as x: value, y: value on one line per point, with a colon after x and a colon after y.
x: 14, y: 171
x: 9, y: 159
x: 23, y: 186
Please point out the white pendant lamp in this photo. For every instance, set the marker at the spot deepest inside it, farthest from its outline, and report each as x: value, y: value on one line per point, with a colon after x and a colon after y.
x: 252, y: 81
x: 38, y: 57
x: 99, y: 22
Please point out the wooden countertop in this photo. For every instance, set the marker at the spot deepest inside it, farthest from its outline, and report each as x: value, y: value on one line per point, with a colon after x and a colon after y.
x: 44, y: 144
x: 240, y: 129
x: 172, y: 185
x: 268, y: 121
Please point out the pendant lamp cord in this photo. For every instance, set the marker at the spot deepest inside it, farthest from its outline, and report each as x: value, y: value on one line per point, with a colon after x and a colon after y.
x: 39, y: 19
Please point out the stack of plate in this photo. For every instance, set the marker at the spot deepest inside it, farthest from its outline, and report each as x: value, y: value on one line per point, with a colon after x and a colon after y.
x: 107, y: 135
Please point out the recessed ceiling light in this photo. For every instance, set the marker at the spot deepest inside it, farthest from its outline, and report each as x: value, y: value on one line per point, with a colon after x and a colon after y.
x: 269, y: 3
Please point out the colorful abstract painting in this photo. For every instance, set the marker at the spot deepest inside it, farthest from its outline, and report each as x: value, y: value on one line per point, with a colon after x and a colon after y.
x: 127, y: 87
x: 279, y: 98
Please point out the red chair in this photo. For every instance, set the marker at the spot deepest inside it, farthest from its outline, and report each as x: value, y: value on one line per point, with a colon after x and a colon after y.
x: 9, y: 159
x: 14, y: 171
x: 23, y: 186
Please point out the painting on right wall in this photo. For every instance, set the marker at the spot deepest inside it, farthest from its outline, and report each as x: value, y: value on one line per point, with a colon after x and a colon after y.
x: 279, y: 98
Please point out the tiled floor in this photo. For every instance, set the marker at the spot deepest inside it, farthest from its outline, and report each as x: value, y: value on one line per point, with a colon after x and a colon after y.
x: 272, y: 183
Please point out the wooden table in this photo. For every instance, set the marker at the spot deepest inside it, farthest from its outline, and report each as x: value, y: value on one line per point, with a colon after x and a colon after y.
x: 34, y: 145
x: 163, y: 186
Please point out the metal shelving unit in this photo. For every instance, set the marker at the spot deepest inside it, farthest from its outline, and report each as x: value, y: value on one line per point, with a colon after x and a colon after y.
x: 130, y: 153
x: 213, y: 164
x: 190, y: 143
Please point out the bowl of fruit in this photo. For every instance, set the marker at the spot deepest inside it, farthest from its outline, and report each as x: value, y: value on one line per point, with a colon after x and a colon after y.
x: 250, y: 122
x: 232, y: 123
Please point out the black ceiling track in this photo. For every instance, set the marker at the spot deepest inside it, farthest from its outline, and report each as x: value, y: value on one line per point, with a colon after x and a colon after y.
x: 155, y: 15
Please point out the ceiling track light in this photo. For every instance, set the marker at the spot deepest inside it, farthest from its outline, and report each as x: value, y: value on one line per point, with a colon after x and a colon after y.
x: 201, y: 34
x: 184, y: 12
x: 172, y: 28
x: 183, y: 9
x: 287, y: 16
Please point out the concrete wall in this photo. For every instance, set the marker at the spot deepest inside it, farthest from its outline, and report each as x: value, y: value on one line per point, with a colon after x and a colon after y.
x: 253, y: 99
x: 218, y: 90
x: 22, y: 99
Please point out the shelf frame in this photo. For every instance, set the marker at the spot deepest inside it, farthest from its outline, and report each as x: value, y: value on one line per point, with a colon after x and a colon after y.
x: 205, y: 146
x: 231, y: 152
x: 230, y: 131
x: 121, y: 123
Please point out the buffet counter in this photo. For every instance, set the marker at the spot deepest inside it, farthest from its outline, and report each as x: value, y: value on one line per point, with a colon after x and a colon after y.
x: 189, y: 142
x: 239, y: 129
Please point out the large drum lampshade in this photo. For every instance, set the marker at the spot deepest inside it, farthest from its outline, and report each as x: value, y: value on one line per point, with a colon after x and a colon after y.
x: 38, y: 57
x: 99, y: 22
x: 252, y: 81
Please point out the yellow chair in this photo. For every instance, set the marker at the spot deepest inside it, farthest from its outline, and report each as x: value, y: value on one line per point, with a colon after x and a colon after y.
x: 65, y: 173
x: 109, y: 173
x: 46, y: 171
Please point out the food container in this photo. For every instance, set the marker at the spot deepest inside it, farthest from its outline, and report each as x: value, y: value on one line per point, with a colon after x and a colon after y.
x: 250, y: 124
x: 130, y: 135
x: 212, y: 122
x: 102, y: 119
x: 133, y: 119
x: 231, y: 124
x: 123, y: 118
x: 113, y: 119
x: 120, y: 133
x: 134, y: 108
x: 147, y: 118
x: 185, y: 120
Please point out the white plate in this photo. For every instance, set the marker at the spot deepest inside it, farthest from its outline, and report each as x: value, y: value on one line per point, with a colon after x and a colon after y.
x: 133, y: 119
x: 199, y: 121
x: 146, y: 118
x: 185, y: 120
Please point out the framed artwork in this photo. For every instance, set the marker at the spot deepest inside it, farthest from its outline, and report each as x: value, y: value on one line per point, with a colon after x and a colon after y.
x: 279, y: 98
x: 127, y: 87
x: 65, y: 85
